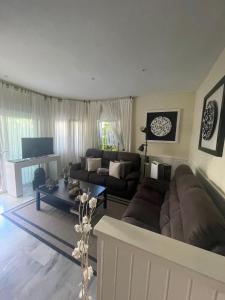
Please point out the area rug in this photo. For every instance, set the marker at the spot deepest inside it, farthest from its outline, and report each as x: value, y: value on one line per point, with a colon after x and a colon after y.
x: 55, y: 227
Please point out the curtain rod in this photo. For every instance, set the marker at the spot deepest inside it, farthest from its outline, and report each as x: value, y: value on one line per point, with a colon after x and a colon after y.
x: 22, y: 88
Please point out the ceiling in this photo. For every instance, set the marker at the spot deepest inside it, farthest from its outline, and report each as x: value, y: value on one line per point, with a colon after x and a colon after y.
x: 109, y: 48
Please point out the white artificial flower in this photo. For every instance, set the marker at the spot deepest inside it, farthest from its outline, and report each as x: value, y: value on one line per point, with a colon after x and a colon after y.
x: 78, y: 228
x: 76, y: 253
x: 88, y: 273
x: 85, y: 220
x: 84, y: 197
x: 92, y: 202
x: 81, y: 294
x: 87, y: 228
x: 83, y: 248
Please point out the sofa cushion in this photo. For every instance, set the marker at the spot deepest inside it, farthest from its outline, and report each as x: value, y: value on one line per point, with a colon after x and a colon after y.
x: 133, y: 157
x: 97, y: 179
x: 107, y: 157
x: 203, y: 224
x: 144, y: 212
x: 93, y: 164
x: 125, y: 168
x: 80, y: 174
x: 181, y: 170
x: 149, y: 195
x: 164, y: 214
x: 103, y: 171
x: 94, y: 153
x: 114, y: 169
x: 115, y: 183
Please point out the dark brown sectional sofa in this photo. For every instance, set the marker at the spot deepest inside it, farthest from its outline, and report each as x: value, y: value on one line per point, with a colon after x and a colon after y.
x: 181, y: 210
x: 123, y: 187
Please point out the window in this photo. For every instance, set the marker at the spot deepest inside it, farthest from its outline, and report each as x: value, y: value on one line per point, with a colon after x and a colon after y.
x: 107, y: 137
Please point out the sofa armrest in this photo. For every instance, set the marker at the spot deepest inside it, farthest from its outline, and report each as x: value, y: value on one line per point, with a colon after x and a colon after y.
x: 76, y: 166
x: 160, y: 186
x: 133, y: 176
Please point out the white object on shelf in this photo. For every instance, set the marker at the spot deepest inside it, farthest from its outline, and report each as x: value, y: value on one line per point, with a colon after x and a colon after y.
x: 14, y: 172
x: 154, y: 169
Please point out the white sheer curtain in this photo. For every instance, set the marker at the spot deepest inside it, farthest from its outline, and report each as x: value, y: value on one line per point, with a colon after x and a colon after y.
x: 72, y: 124
x: 93, y: 116
x: 27, y: 114
x: 119, y: 113
x: 15, y: 122
x: 68, y: 126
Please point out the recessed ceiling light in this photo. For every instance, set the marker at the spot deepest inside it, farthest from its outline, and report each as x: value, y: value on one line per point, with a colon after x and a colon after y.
x: 92, y: 78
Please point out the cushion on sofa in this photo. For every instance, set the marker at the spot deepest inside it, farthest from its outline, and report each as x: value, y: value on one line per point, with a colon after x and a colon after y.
x: 114, y: 169
x: 94, y: 153
x: 80, y: 174
x: 181, y: 170
x: 125, y: 168
x: 133, y: 157
x: 93, y: 164
x: 107, y: 157
x: 97, y: 179
x: 164, y: 214
x: 103, y: 171
x: 150, y: 196
x: 144, y: 212
x: 203, y: 224
x: 115, y: 183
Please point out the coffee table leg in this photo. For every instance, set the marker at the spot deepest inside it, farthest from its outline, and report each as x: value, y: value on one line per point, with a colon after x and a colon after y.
x: 38, y: 200
x: 105, y: 200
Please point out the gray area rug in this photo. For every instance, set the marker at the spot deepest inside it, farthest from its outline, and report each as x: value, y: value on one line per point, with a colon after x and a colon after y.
x: 55, y: 227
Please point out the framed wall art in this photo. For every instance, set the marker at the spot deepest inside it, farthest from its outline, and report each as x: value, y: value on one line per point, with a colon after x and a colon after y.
x: 212, y: 132
x: 163, y: 125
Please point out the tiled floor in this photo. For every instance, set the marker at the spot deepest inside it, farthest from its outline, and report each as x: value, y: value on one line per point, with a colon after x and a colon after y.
x: 30, y: 270
x: 7, y: 202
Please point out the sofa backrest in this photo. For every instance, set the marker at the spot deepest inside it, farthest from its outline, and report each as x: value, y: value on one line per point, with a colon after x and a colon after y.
x: 192, y: 215
x: 108, y: 156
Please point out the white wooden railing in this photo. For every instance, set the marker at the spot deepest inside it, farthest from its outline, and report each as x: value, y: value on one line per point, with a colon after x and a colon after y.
x: 137, y: 264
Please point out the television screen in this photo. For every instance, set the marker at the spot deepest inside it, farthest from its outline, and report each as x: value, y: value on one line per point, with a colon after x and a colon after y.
x: 34, y: 147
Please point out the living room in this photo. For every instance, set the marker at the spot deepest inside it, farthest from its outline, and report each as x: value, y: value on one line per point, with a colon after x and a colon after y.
x: 112, y: 127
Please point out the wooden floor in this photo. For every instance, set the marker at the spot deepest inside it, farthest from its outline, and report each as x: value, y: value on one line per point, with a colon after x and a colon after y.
x: 31, y: 270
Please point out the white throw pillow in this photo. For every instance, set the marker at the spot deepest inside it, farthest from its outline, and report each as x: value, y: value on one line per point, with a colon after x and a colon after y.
x: 93, y: 164
x: 114, y: 169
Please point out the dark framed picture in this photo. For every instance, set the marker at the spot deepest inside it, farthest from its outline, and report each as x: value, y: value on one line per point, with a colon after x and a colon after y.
x: 212, y: 132
x: 163, y: 125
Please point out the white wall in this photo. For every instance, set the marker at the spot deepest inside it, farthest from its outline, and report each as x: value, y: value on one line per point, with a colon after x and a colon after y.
x: 212, y: 166
x: 183, y: 101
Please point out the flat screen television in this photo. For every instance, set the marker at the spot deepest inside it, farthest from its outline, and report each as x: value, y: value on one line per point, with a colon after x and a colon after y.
x: 34, y: 147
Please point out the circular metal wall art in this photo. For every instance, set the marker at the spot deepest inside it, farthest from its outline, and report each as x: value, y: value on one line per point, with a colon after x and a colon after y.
x: 161, y: 126
x: 209, y: 120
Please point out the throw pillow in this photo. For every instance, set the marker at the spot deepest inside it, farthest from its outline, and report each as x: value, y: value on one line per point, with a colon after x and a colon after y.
x: 103, y: 171
x: 125, y: 168
x: 114, y: 169
x: 93, y: 164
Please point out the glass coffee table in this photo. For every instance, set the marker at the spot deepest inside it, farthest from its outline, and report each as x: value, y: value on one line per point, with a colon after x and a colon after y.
x: 59, y: 197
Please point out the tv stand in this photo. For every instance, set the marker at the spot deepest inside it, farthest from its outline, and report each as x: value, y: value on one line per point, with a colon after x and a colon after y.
x: 14, y: 171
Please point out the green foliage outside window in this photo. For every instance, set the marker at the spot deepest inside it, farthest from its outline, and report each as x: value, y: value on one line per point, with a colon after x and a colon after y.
x: 107, y: 141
